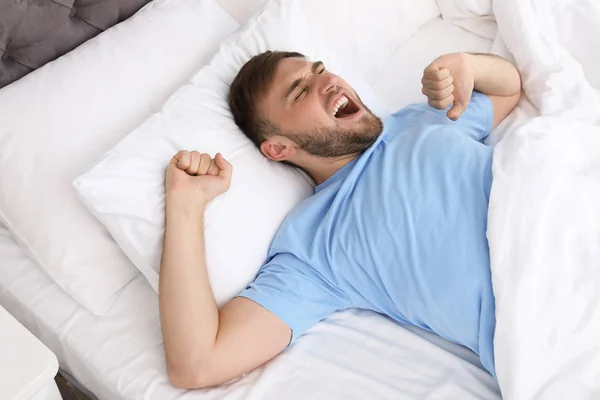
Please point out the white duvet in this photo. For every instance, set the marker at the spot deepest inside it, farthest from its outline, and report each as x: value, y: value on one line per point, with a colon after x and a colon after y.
x: 544, y: 217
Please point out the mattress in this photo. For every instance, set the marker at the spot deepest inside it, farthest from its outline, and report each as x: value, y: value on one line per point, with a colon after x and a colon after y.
x: 353, y: 354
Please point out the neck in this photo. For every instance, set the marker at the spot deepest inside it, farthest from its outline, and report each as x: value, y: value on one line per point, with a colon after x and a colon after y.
x: 321, y: 169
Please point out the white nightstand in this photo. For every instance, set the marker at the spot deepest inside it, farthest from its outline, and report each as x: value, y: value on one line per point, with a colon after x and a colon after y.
x: 27, y: 367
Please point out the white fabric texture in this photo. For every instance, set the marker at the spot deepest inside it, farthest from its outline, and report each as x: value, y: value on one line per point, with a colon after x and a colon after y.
x: 389, y: 23
x: 241, y: 10
x: 473, y: 15
x: 376, y: 28
x: 58, y: 121
x: 399, y: 82
x: 464, y: 9
x: 544, y: 219
x: 354, y: 355
x: 126, y: 190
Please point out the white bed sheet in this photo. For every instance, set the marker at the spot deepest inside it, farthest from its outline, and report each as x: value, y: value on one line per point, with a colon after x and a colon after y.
x: 352, y: 355
x: 399, y: 83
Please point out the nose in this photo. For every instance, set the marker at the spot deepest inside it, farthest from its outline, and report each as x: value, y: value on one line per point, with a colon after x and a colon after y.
x: 327, y: 83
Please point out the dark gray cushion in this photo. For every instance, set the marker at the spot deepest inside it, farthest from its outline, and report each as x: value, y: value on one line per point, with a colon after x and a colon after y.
x: 34, y: 32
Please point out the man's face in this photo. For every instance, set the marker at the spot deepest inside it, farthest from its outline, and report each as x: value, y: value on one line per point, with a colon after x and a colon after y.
x: 318, y: 110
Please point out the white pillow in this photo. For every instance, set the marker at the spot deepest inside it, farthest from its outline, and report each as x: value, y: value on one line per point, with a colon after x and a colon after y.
x: 366, y: 32
x: 241, y: 10
x: 126, y: 190
x: 361, y: 32
x: 475, y: 16
x: 59, y: 120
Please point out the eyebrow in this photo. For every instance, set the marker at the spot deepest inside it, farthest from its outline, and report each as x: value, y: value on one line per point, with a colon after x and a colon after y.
x: 315, y: 66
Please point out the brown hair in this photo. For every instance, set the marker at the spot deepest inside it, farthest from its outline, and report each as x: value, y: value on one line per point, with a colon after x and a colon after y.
x: 249, y: 84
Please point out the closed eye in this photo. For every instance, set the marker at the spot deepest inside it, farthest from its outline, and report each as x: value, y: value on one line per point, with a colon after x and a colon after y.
x: 306, y: 88
x: 304, y: 91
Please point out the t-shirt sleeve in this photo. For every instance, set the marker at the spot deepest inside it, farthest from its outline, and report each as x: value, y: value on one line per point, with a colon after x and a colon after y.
x: 295, y: 293
x: 478, y: 119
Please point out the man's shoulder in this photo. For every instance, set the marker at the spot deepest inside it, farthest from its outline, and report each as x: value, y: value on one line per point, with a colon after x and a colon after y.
x: 299, y: 220
x: 412, y: 108
x: 413, y: 115
x: 414, y: 118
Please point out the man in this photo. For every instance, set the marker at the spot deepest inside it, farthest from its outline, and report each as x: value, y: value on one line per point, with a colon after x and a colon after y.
x: 397, y: 223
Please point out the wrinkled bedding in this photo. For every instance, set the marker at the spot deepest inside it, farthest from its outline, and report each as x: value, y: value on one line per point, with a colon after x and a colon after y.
x: 543, y: 230
x: 544, y: 217
x: 352, y: 355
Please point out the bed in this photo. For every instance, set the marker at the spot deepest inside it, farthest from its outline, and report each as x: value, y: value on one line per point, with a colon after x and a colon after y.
x: 354, y: 355
x: 350, y: 355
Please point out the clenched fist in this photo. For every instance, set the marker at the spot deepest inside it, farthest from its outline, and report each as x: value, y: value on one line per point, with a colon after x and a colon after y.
x: 449, y: 80
x: 197, y: 176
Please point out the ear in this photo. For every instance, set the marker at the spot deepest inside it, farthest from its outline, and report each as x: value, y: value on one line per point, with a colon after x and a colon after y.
x: 278, y: 148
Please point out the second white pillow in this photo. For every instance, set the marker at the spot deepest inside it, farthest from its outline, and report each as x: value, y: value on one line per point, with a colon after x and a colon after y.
x: 56, y: 122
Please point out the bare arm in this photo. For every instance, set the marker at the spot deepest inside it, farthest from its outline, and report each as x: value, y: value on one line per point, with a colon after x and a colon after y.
x: 499, y: 80
x: 188, y: 312
x: 205, y: 346
x: 451, y: 79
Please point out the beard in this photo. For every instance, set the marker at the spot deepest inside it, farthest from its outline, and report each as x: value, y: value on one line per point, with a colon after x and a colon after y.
x: 328, y: 142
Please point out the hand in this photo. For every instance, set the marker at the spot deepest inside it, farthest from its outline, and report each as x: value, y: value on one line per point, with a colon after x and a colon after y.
x: 197, y: 176
x: 449, y: 80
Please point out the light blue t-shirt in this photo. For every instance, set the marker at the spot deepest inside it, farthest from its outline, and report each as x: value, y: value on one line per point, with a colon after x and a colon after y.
x: 400, y: 230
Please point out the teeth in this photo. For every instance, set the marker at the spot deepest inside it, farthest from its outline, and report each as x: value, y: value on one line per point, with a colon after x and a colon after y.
x: 341, y: 103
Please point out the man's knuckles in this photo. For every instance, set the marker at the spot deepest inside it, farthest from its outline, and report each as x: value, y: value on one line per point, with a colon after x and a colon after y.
x: 431, y: 69
x: 442, y: 74
x: 204, y: 164
x: 441, y: 104
x: 438, y: 85
x: 194, y: 162
x: 434, y: 72
x: 438, y: 94
x: 183, y: 160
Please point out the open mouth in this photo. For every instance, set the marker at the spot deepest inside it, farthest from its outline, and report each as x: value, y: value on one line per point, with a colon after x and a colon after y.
x: 345, y: 107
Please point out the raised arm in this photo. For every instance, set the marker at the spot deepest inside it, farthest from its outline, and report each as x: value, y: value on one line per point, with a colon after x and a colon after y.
x: 205, y: 346
x: 451, y: 79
